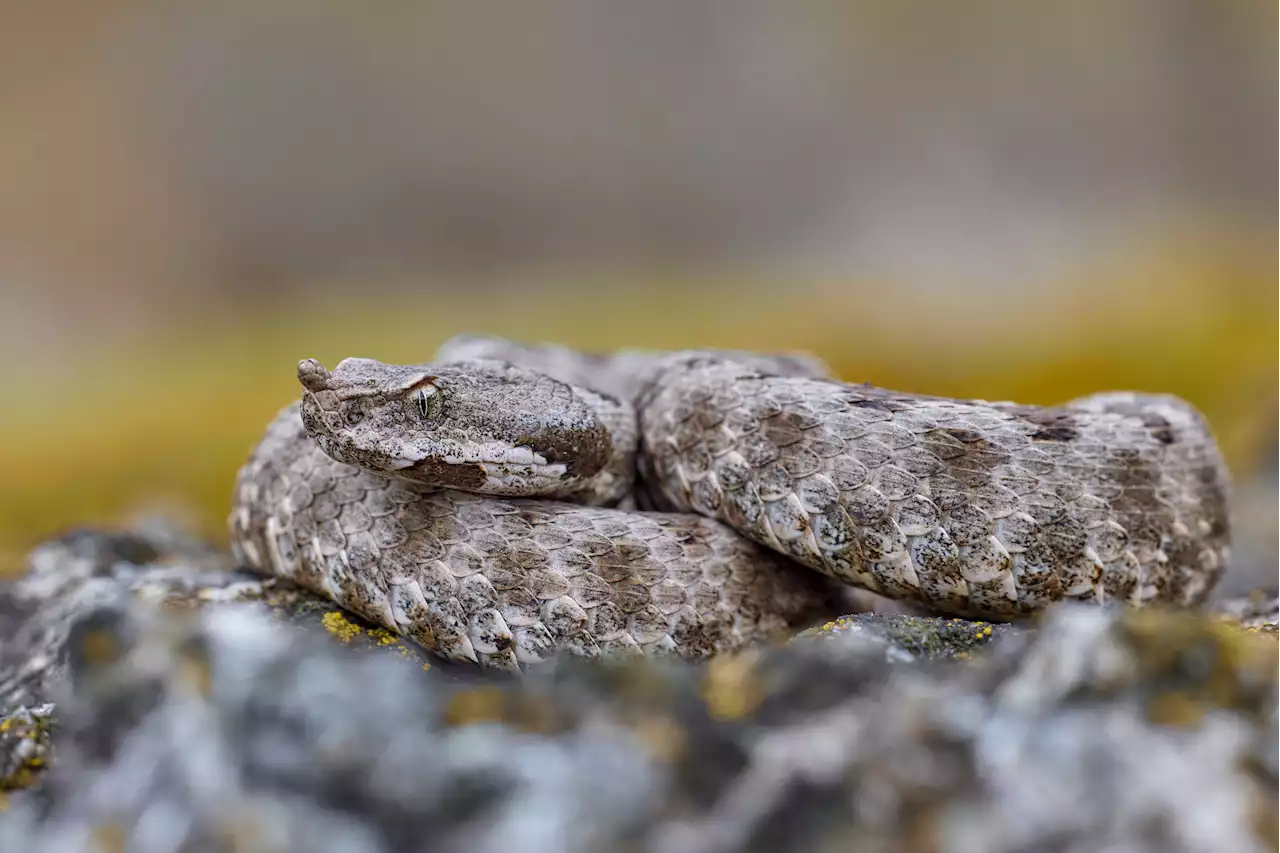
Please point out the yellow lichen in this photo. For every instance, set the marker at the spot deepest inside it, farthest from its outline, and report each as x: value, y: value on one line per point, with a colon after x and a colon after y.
x: 383, y: 637
x: 344, y: 630
x: 340, y: 626
x: 477, y: 705
x: 730, y: 687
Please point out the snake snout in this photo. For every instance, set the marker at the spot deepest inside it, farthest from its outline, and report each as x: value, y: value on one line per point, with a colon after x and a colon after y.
x: 312, y: 375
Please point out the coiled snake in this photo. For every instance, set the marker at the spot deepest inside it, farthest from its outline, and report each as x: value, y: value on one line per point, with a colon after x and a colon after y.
x: 507, y: 501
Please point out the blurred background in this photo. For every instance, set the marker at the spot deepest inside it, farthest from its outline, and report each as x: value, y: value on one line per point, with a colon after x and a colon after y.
x: 994, y: 199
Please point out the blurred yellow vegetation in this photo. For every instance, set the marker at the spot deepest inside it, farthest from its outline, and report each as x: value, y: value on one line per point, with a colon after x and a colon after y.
x: 169, y: 421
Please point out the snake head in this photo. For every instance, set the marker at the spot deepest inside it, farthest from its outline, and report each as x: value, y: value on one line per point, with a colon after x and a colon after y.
x: 479, y: 426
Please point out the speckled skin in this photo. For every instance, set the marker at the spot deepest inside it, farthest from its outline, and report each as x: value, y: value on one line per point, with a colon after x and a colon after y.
x: 977, y: 509
x: 504, y: 582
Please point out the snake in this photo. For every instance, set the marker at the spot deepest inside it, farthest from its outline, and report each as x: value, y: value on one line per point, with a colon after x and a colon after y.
x: 507, y: 502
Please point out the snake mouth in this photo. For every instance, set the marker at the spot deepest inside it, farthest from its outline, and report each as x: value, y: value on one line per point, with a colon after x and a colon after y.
x: 515, y: 464
x: 490, y: 469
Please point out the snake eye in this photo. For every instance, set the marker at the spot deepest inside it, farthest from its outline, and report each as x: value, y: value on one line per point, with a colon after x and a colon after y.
x: 427, y: 401
x: 353, y: 415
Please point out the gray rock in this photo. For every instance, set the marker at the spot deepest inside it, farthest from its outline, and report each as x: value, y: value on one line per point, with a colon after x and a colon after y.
x: 907, y: 637
x: 68, y: 578
x: 204, y: 730
x: 25, y: 747
x: 249, y: 714
x: 1258, y: 610
x: 71, y: 576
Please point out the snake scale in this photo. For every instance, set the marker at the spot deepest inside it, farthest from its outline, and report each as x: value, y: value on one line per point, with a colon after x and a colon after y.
x: 508, y: 501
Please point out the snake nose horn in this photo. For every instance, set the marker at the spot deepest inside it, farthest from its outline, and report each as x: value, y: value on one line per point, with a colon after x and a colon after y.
x: 312, y: 375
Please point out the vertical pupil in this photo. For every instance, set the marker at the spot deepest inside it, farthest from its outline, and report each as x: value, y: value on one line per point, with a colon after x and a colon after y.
x: 422, y: 403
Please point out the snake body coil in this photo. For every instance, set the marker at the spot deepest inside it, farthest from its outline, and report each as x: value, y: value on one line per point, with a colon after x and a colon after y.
x: 472, y: 503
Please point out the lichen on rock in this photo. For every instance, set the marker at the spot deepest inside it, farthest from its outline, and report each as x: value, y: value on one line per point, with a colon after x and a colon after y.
x: 244, y: 715
x: 25, y: 747
x: 909, y: 637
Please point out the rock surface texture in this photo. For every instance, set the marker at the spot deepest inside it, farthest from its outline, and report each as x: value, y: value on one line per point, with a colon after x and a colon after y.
x: 244, y: 716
